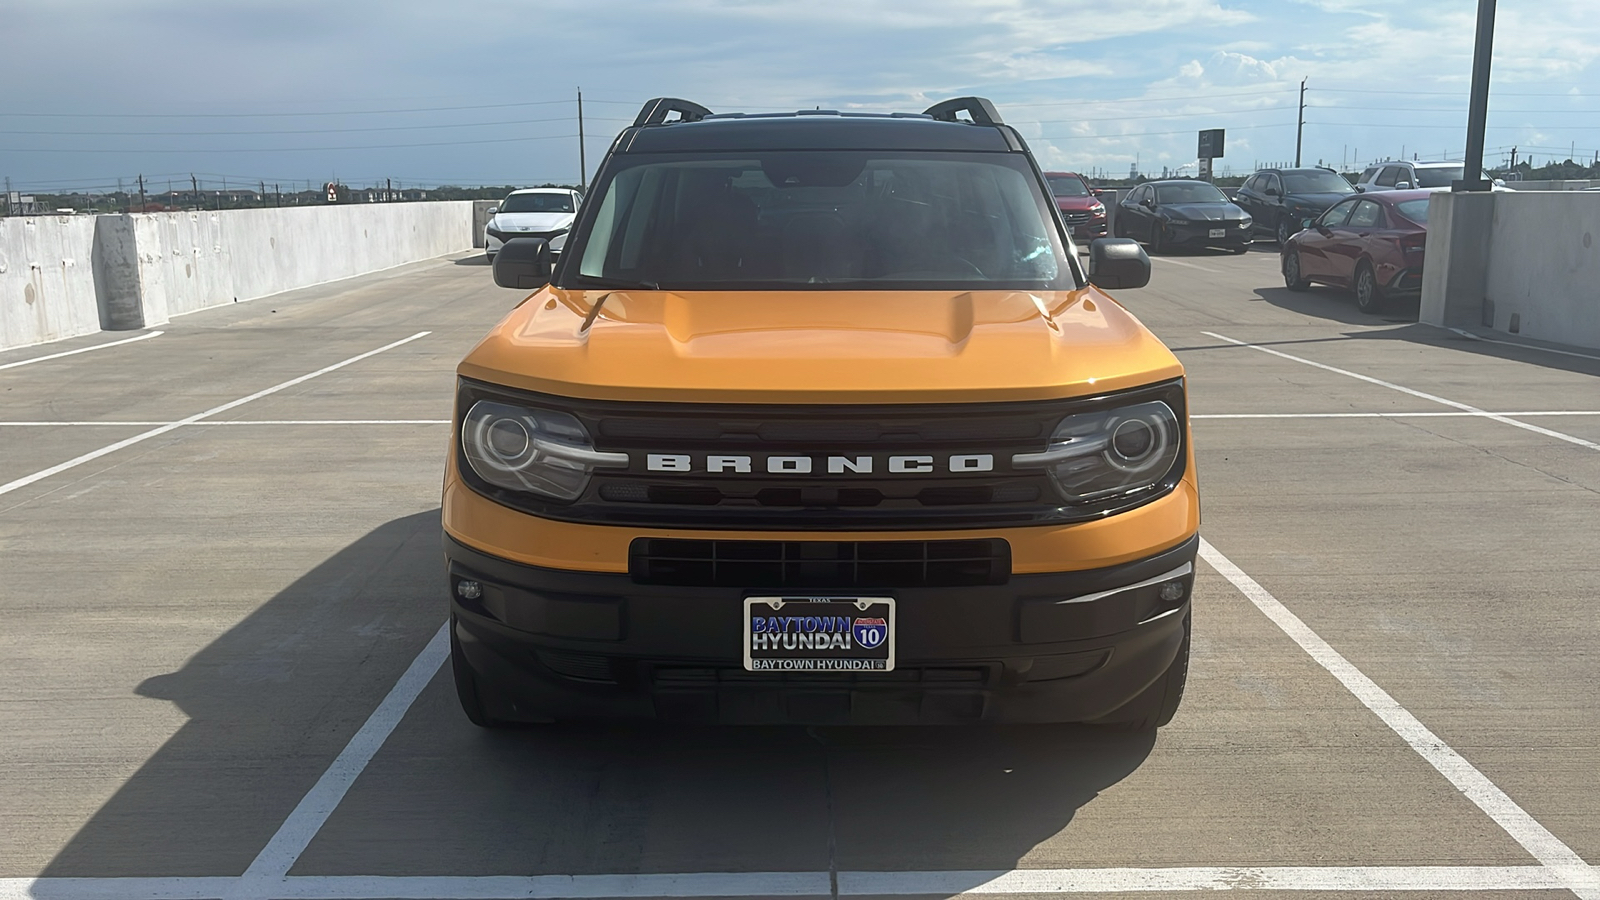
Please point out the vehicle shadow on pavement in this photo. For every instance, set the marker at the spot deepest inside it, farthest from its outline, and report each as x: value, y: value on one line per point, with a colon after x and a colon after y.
x: 476, y: 259
x: 269, y: 704
x: 274, y: 700
x: 1338, y: 305
x: 1431, y: 336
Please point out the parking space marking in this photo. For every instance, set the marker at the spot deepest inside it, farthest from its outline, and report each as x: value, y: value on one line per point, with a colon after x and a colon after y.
x: 799, y: 884
x: 1498, y: 417
x: 1575, y: 874
x: 1391, y: 415
x: 295, y: 834
x: 1186, y: 265
x: 92, y: 455
x: 29, y: 362
x: 243, y: 422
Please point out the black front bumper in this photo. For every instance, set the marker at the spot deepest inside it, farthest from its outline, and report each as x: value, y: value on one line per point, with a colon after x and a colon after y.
x: 1199, y: 235
x: 1059, y: 647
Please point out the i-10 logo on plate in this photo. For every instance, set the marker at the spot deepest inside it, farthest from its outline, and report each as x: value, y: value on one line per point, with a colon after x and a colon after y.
x: 869, y: 632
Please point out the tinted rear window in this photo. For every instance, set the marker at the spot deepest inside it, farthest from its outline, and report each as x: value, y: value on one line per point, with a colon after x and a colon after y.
x: 1415, y: 210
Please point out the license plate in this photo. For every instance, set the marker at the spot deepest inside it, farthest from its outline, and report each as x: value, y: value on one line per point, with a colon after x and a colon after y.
x: 1219, y: 232
x: 819, y: 634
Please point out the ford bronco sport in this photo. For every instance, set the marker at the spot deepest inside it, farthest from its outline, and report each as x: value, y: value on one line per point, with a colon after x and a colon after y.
x: 818, y: 419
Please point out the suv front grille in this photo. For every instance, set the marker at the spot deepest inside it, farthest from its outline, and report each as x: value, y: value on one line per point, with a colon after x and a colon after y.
x: 819, y: 564
x: 761, y: 494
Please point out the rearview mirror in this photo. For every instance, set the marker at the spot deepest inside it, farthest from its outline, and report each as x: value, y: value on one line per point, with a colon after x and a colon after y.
x: 523, y: 263
x: 1117, y: 263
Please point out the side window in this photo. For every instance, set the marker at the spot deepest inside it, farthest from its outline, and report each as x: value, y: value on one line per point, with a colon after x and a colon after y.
x: 1405, y: 175
x: 1370, y: 174
x: 1271, y: 183
x: 1138, y: 194
x: 1336, y: 216
x: 1367, y: 215
x: 1253, y: 184
x: 1390, y: 175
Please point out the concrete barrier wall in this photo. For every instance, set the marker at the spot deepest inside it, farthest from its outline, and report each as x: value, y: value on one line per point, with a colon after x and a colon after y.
x: 1522, y: 262
x: 47, y: 287
x: 1544, y: 266
x: 66, y: 276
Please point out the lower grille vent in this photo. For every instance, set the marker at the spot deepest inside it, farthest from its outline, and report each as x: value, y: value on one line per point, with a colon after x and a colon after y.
x: 819, y: 564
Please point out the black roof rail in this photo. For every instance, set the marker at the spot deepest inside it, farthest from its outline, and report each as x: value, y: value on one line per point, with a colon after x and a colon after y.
x: 981, y: 111
x: 656, y: 111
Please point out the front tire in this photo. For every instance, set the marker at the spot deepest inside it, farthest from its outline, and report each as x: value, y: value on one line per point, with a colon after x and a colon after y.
x: 1292, y: 279
x: 1285, y: 230
x: 1369, y: 295
x: 1157, y: 704
x: 1157, y: 244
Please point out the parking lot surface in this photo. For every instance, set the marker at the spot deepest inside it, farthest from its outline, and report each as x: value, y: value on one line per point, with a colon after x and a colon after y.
x: 221, y: 577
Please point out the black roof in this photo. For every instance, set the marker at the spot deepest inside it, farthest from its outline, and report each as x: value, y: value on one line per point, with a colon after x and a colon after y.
x: 1296, y: 169
x: 818, y: 129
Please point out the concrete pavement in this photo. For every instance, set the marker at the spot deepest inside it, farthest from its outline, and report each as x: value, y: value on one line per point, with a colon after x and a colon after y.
x: 198, y: 623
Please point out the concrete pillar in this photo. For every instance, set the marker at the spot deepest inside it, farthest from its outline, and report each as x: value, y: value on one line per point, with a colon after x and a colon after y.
x: 115, y: 259
x: 1456, y: 272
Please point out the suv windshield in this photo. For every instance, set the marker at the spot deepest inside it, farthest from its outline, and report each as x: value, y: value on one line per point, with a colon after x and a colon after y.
x: 1067, y: 186
x: 531, y: 203
x: 1316, y: 183
x: 1198, y: 192
x: 1440, y: 176
x: 836, y: 218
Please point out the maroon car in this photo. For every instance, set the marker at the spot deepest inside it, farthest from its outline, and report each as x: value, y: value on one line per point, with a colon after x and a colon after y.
x: 1370, y: 243
x: 1080, y: 208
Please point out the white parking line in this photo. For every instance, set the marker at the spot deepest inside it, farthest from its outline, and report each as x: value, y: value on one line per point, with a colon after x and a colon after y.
x: 42, y: 424
x: 1390, y: 415
x: 26, y: 480
x: 1575, y: 874
x: 799, y: 884
x: 1507, y: 420
x: 295, y: 834
x: 29, y: 362
x: 1186, y: 265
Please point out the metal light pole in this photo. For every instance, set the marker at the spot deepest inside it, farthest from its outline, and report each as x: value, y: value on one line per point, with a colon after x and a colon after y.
x: 583, y: 165
x: 1478, y: 112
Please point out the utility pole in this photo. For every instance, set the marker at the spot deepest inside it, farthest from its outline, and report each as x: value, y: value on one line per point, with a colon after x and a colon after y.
x: 1478, y: 110
x: 195, y: 183
x: 583, y: 164
x: 388, y: 190
x: 1513, y: 159
x: 277, y: 195
x: 1300, y: 129
x: 141, y: 194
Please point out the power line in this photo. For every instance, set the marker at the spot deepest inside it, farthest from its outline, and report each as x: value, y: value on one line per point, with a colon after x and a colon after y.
x: 1452, y: 93
x: 353, y: 112
x: 1075, y: 137
x: 550, y: 137
x: 296, y: 131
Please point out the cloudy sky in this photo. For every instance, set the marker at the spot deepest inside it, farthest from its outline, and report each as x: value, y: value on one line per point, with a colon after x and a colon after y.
x: 429, y: 92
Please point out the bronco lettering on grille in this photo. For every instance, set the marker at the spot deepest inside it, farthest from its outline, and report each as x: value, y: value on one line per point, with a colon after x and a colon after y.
x: 897, y: 464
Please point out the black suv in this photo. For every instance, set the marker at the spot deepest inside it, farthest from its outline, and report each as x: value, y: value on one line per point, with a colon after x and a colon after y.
x: 1279, y: 200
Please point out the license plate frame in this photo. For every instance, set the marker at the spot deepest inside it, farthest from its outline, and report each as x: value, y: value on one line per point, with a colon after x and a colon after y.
x: 1219, y: 232
x: 863, y: 615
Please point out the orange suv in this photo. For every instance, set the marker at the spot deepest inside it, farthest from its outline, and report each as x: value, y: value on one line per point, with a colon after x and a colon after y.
x: 819, y: 419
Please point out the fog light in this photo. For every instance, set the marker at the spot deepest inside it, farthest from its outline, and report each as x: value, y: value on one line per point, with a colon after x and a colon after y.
x: 1170, y: 592
x: 471, y: 590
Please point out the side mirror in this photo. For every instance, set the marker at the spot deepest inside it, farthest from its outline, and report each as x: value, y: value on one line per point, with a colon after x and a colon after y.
x: 1499, y: 182
x: 1307, y: 223
x: 1402, y: 185
x: 1272, y: 192
x: 492, y: 210
x: 1116, y: 263
x: 1099, y: 192
x: 1148, y: 202
x: 1361, y: 189
x: 523, y: 263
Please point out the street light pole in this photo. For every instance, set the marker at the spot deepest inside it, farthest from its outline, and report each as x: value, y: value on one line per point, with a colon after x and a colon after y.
x: 1478, y: 111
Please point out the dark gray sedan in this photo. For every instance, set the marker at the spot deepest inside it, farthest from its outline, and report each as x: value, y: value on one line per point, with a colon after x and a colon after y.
x: 1182, y: 213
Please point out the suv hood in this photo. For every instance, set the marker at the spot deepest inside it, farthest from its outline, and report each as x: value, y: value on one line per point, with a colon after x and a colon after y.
x: 820, y: 346
x: 1074, y: 204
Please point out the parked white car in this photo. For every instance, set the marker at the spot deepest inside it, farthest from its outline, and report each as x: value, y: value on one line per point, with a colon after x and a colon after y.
x: 1405, y: 175
x: 532, y: 213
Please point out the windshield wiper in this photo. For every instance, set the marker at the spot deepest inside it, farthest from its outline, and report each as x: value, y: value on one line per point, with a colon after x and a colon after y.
x: 616, y: 283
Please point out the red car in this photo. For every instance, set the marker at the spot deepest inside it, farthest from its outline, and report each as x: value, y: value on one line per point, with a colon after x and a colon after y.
x: 1080, y: 207
x: 1371, y: 243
